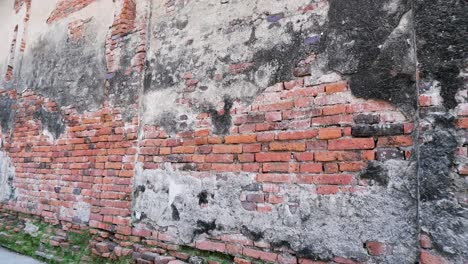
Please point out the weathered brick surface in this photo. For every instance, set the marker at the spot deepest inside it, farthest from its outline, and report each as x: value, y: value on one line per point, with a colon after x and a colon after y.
x: 297, y: 137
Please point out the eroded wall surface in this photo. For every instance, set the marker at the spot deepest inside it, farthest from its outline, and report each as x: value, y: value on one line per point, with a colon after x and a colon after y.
x: 275, y: 131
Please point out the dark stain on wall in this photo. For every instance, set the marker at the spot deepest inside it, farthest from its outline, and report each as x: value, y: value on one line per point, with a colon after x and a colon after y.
x: 222, y: 121
x: 7, y: 113
x: 362, y: 41
x: 376, y: 173
x: 52, y: 121
x: 70, y: 73
x: 285, y: 59
x: 204, y: 227
x: 441, y: 43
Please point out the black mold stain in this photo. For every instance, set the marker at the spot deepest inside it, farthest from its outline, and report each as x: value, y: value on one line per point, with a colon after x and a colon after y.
x: 253, y: 235
x: 222, y: 123
x: 70, y: 73
x: 7, y: 113
x: 309, y: 253
x: 279, y: 244
x: 139, y: 189
x: 441, y: 43
x: 123, y: 87
x: 379, y: 63
x: 175, y: 213
x: 53, y: 121
x: 436, y: 159
x: 376, y: 173
x: 203, y: 198
x: 168, y: 121
x: 204, y: 227
x: 284, y: 58
x: 377, y: 130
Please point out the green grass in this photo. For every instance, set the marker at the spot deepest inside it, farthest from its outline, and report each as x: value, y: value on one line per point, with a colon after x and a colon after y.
x: 29, y: 245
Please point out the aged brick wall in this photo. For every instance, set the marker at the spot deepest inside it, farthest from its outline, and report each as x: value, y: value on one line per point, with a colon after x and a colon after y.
x: 260, y: 131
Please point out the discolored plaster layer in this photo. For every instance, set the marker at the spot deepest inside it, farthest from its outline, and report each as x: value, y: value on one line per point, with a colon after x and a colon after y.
x: 441, y: 44
x: 7, y: 114
x: 7, y: 175
x: 371, y: 42
x: 195, y: 63
x: 314, y: 227
x: 440, y: 28
x: 72, y: 73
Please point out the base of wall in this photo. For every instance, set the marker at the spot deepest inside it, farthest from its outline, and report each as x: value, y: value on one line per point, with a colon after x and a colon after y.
x: 70, y: 243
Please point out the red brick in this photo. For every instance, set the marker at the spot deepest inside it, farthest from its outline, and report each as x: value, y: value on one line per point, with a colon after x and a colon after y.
x: 234, y: 250
x: 304, y: 92
x: 272, y: 156
x: 277, y: 106
x: 326, y: 156
x: 462, y: 123
x: 303, y: 102
x: 287, y: 146
x: 395, y: 141
x: 275, y: 199
x: 279, y: 167
x: 332, y: 120
x: 327, y: 189
x: 425, y: 241
x: 265, y: 137
x: 255, y: 197
x: 287, y: 259
x: 227, y: 149
x: 257, y: 254
x: 351, y: 143
x: 226, y: 158
x: 204, y: 149
x: 295, y: 135
x: 352, y: 166
x: 329, y: 133
x: 226, y: 167
x: 183, y: 150
x: 202, y: 133
x: 330, y: 167
x: 306, y: 156
x: 251, y: 167
x: 315, y: 145
x: 246, y: 157
x: 311, y: 167
x: 341, y: 260
x: 335, y: 87
x: 275, y: 178
x: 377, y: 249
x: 428, y: 258
x: 251, y: 148
x: 334, y: 110
x: 329, y: 179
x: 264, y: 208
x: 240, y: 139
x: 210, y: 246
x: 273, y: 116
x: 241, y: 261
x: 215, y: 140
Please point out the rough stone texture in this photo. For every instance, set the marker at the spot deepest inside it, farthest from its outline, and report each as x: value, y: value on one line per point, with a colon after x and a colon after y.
x: 7, y: 175
x: 306, y: 131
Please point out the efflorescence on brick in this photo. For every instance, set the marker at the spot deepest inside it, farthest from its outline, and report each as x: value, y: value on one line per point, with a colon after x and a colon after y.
x: 163, y: 160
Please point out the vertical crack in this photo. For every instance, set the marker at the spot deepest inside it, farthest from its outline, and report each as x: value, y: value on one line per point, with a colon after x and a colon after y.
x: 416, y: 123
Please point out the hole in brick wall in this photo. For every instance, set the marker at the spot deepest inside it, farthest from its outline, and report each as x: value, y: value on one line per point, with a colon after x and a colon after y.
x: 222, y: 120
x: 253, y: 235
x: 11, y: 59
x: 204, y: 227
x: 203, y: 198
x: 175, y: 213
